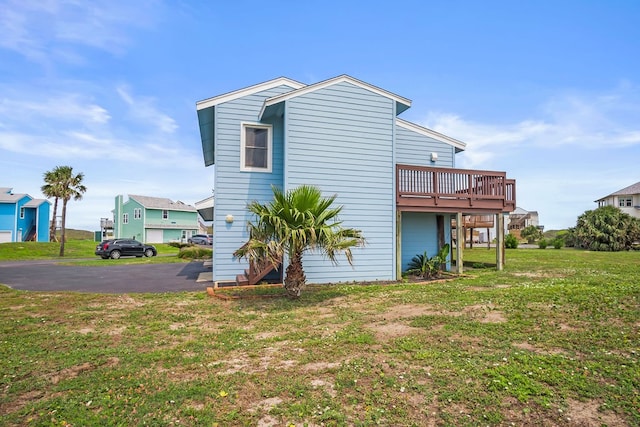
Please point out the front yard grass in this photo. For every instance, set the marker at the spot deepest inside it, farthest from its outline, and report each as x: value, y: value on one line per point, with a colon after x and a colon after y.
x: 79, y: 252
x: 554, y: 339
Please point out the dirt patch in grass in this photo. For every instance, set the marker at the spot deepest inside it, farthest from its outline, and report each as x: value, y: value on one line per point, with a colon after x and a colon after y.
x: 320, y: 366
x: 327, y: 386
x: 487, y: 288
x: 485, y: 313
x: 265, y: 404
x: 389, y: 324
x: 589, y: 414
x: 408, y: 311
x: 393, y: 330
x: 21, y: 401
x: 532, y: 348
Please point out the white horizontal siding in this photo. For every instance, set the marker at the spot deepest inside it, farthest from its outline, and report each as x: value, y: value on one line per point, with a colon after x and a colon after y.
x: 415, y: 149
x: 340, y: 138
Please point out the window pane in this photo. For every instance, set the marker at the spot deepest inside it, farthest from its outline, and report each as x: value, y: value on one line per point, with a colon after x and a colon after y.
x: 256, y: 157
x: 257, y: 137
x: 256, y: 148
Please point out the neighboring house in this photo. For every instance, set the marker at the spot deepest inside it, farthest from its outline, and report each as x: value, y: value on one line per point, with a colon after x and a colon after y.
x: 23, y: 218
x: 520, y: 219
x: 153, y: 219
x: 395, y: 179
x: 627, y: 199
x: 205, y: 212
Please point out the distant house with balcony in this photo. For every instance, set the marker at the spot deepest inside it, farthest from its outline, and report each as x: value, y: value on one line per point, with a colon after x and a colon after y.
x: 23, y: 218
x: 520, y: 219
x: 627, y: 200
x: 153, y: 219
x: 395, y: 179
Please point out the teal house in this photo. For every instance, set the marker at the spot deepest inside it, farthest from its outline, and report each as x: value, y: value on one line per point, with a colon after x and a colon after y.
x: 23, y: 218
x: 153, y: 219
x: 396, y: 180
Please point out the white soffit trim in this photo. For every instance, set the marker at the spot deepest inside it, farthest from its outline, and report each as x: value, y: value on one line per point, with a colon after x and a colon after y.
x: 431, y: 133
x: 230, y: 96
x: 340, y: 79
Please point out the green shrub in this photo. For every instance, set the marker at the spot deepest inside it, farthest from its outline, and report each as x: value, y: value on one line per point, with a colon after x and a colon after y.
x: 531, y: 233
x: 195, y: 252
x: 543, y: 243
x: 558, y: 243
x: 606, y: 229
x: 179, y: 245
x: 568, y: 237
x: 511, y: 242
x: 423, y: 266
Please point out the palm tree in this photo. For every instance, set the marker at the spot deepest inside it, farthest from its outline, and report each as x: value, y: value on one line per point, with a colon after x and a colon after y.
x: 294, y: 222
x: 50, y: 189
x: 69, y: 186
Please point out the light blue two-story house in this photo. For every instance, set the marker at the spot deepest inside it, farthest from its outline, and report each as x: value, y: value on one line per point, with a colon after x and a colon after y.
x: 396, y: 180
x: 23, y: 218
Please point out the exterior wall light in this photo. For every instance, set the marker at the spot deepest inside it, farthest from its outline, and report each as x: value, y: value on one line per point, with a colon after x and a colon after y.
x: 229, y: 219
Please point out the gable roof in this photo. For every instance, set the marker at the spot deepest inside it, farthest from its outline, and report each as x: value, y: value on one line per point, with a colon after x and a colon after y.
x: 401, y: 103
x: 632, y: 189
x: 230, y: 96
x: 35, y: 203
x: 459, y: 145
x: 162, y: 203
x: 9, y: 197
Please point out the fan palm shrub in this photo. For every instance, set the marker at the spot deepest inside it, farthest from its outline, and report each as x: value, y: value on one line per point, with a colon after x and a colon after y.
x: 293, y: 223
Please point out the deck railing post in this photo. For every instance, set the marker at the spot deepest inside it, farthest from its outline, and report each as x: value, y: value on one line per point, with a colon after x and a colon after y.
x: 436, y: 186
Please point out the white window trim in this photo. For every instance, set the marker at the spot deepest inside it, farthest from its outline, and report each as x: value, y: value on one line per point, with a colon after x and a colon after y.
x: 165, y: 214
x: 137, y: 213
x: 269, y: 128
x: 125, y: 218
x: 22, y: 212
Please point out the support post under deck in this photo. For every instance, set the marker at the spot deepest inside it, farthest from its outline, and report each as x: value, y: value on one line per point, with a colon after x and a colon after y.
x: 499, y: 241
x: 460, y: 238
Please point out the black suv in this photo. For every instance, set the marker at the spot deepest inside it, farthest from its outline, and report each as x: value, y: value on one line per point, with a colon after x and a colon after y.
x: 115, y: 248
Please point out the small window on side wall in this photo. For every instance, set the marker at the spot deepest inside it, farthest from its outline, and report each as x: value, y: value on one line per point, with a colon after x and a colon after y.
x: 255, y: 147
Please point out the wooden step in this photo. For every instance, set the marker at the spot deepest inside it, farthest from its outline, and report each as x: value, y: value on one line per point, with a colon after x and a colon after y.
x: 242, y: 279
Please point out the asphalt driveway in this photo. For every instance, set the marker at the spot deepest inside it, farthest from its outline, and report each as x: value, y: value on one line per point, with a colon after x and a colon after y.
x: 112, y: 279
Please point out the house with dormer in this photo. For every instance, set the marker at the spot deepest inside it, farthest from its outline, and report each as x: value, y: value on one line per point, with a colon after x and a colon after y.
x: 395, y: 179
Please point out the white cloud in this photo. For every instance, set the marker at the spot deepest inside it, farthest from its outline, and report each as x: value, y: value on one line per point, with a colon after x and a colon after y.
x: 46, y: 30
x: 64, y: 106
x: 583, y: 121
x: 144, y: 110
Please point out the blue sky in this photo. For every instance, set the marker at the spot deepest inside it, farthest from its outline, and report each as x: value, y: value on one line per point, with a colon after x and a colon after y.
x: 548, y: 91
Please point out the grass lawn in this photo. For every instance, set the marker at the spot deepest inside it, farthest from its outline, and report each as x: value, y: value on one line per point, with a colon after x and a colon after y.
x: 554, y: 339
x: 79, y: 252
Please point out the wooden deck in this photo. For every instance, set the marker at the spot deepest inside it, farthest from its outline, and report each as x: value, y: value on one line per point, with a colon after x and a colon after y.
x: 427, y: 189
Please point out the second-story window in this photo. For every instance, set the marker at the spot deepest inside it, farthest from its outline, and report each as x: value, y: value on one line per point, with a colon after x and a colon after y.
x: 165, y: 214
x: 255, y: 147
x: 22, y: 213
x: 125, y: 218
x: 137, y: 213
